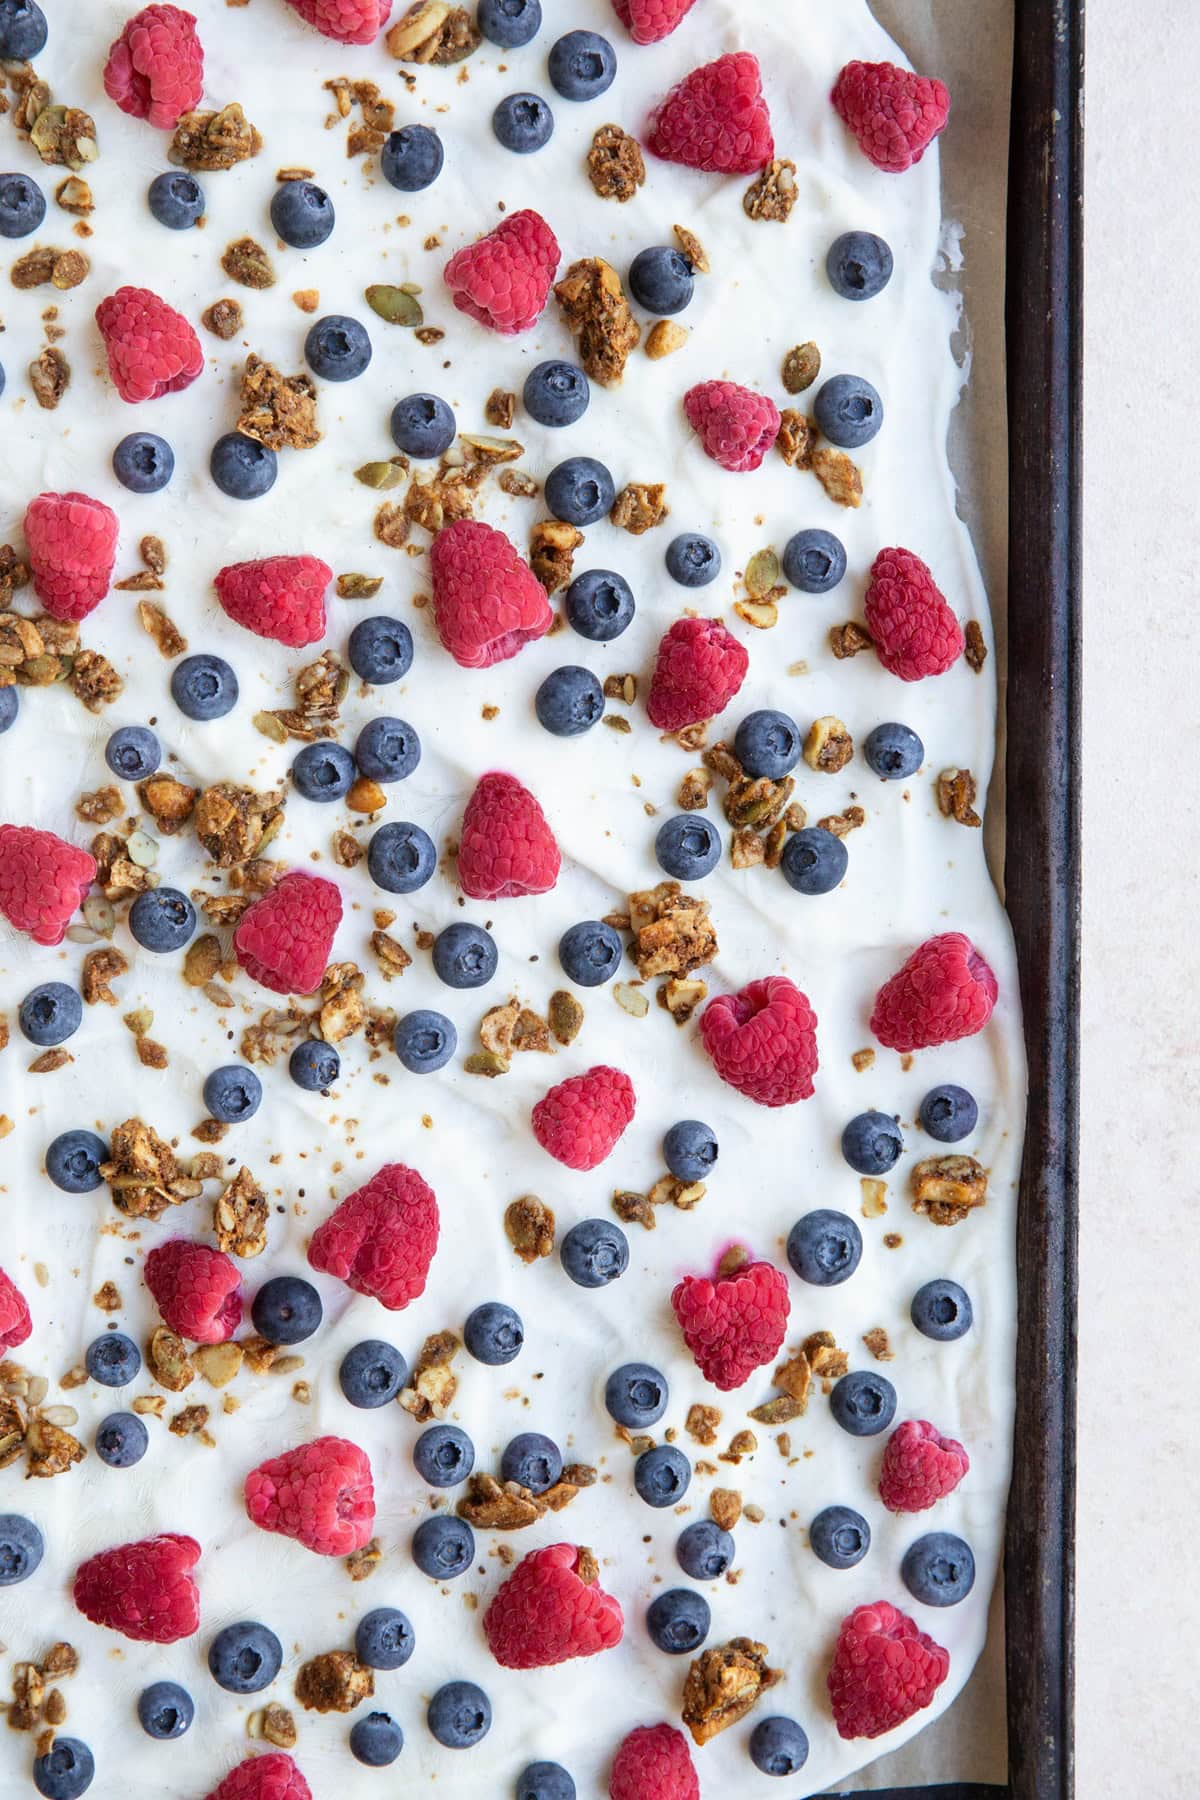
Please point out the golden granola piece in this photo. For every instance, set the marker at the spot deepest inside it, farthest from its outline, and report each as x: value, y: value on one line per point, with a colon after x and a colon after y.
x: 235, y: 823
x: 615, y: 165
x: 779, y: 1411
x: 168, y: 1361
x: 795, y: 440
x: 634, y: 1209
x: 169, y: 802
x: 841, y: 478
x: 49, y: 377
x: 240, y: 1217
x: 693, y: 249
x: 362, y: 1564
x: 342, y: 1012
x: 12, y: 1431
x: 843, y: 823
x: 278, y: 410
x: 672, y: 931
x: 877, y: 1343
x: 248, y: 263
x: 100, y: 967
x: 334, y: 1682
x: 99, y: 808
x: 140, y: 1171
x: 60, y: 134
x: 639, y: 506
x: 826, y: 1361
x: 975, y: 651
x: 218, y: 1363
x: 490, y: 1505
x: 94, y: 680
x: 956, y: 791
x: 49, y: 1450
x: 596, y: 310
x: 947, y: 1188
x: 24, y: 1712
x: 432, y: 1383
x: 223, y: 318
x: 552, y: 547
x: 848, y: 639
x: 702, y: 1422
x: 681, y: 996
x: 723, y: 1684
x: 433, y: 32
x: 801, y: 366
x: 275, y: 1724
x: 828, y: 746
x: 188, y: 1423
x: 694, y: 790
x: 773, y: 192
x: 208, y: 141
x: 757, y: 800
x: 529, y: 1225
x: 499, y: 408
x: 74, y: 196
x: 517, y: 483
x: 725, y: 1506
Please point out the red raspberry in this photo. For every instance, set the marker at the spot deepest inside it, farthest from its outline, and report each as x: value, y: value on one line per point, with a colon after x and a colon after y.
x: 15, y: 1323
x: 894, y: 114
x: 715, y: 119
x: 280, y: 597
x: 945, y: 991
x: 735, y: 1322
x: 155, y: 69
x: 503, y: 279
x: 920, y: 1467
x: 735, y: 425
x: 197, y: 1290
x: 550, y: 1609
x: 699, y: 668
x: 349, y: 21
x: 271, y: 1777
x: 763, y: 1040
x: 487, y: 602
x: 381, y: 1238
x: 883, y: 1671
x: 151, y: 348
x: 915, y: 632
x: 649, y: 21
x: 72, y: 544
x: 507, y: 849
x: 579, y: 1121
x: 284, y: 939
x: 144, y: 1590
x: 321, y: 1494
x: 42, y: 881
x: 654, y: 1763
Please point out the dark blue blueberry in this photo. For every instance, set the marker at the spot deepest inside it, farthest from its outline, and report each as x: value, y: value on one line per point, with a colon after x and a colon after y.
x: 939, y: 1569
x: 424, y: 1041
x: 942, y: 1310
x: 232, y: 1093
x: 443, y: 1456
x: 464, y: 955
x: 422, y: 425
x: 690, y: 1150
x: 599, y: 605
x: 10, y: 703
x: 688, y: 847
x: 824, y: 1247
x: 863, y: 1403
x: 23, y: 30
x: 21, y: 1548
x: 871, y: 1143
x: 460, y: 1715
x: 859, y: 265
x: 372, y: 1373
x: 383, y: 1639
x: 590, y: 953
x: 678, y: 1621
x: 401, y: 857
x: 636, y: 1395
x: 662, y: 1476
x: 162, y: 920
x: 22, y: 206
x: 594, y: 1252
x: 245, y: 1657
x: 556, y: 393
x: 302, y: 214
x: 242, y: 467
x: 50, y: 1014
x: 121, y: 1440
x: 509, y: 23
x: 949, y: 1113
x: 840, y: 1537
x: 580, y: 490
x: 523, y: 123
x: 387, y: 749
x: 113, y: 1359
x: 570, y: 701
x: 494, y: 1333
x: 692, y: 560
x: 323, y: 771
x: 337, y: 348
x: 165, y: 1710
x: 73, y: 1161
x: 176, y: 199
x: 533, y: 1461
x: 581, y: 65
x: 314, y: 1066
x: 704, y: 1551
x: 545, y: 1781
x: 814, y: 861
x: 443, y: 1547
x: 65, y: 1771
x: 376, y: 1740
x: 778, y: 1746
x: 768, y: 743
x: 133, y: 752
x: 814, y: 561
x: 380, y: 650
x: 848, y: 411
x: 204, y: 687
x: 893, y: 751
x: 661, y: 279
x: 287, y: 1310
x: 412, y: 158
x: 143, y: 462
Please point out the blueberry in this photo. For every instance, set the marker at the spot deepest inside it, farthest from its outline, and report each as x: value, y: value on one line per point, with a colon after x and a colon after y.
x: 383, y: 1639
x: 22, y: 206
x: 464, y: 956
x: 871, y: 1143
x: 814, y: 561
x: 579, y: 491
x: 121, y: 1440
x: 545, y: 1781
x: 73, y: 1161
x: 376, y: 1740
x: 778, y: 1746
x: 693, y: 560
x: 242, y: 467
x: 590, y: 953
x: 814, y: 861
x: 286, y: 1310
x: 494, y: 1333
x: 939, y: 1569
x: 143, y: 462
x: 662, y: 1475
x: 302, y: 214
x: 859, y: 265
x: 133, y: 752
x: 594, y: 1252
x: 412, y: 158
x: 581, y: 65
x: 459, y: 1715
x: 690, y: 1150
x: 523, y: 123
x: 569, y: 701
x: 176, y: 200
x: 10, y: 703
x: 599, y: 605
x: 556, y: 393
x: 65, y: 1771
x: 387, y: 749
x: 533, y: 1461
x: 443, y: 1547
x: 863, y: 1403
x: 113, y: 1359
x: 768, y: 743
x: 323, y: 771
x: 232, y: 1093
x: 23, y: 30
x: 942, y: 1310
x: 245, y: 1657
x: 704, y: 1551
x: 372, y: 1373
x: 50, y: 1014
x: 204, y: 687
x: 422, y: 425
x: 636, y: 1395
x: 314, y: 1066
x: 661, y: 279
x: 509, y: 23
x: 337, y: 348
x: 848, y: 411
x: 21, y: 1548
x: 949, y: 1113
x: 443, y: 1456
x: 839, y: 1537
x: 424, y: 1041
x: 380, y: 650
x: 401, y: 857
x: 162, y: 920
x: 893, y: 751
x: 678, y: 1621
x: 824, y: 1247
x: 688, y: 847
x: 165, y: 1710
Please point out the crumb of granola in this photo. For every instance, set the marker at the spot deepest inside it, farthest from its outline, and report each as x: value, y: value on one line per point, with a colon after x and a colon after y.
x: 74, y: 196
x: 975, y: 653
x: 843, y: 823
x: 639, y: 507
x: 94, y: 680
x: 564, y: 1014
x: 246, y: 261
x: 278, y: 410
x: 552, y: 547
x: 723, y: 1684
x: 529, y: 1226
x: 49, y: 377
x: 877, y: 1343
x: 107, y: 1297
x: 273, y: 1723
x: 693, y: 249
x: 702, y: 1422
x: 240, y: 1216
x: 848, y: 639
x: 956, y: 793
x: 361, y: 1564
x: 100, y: 967
x: 223, y: 318
x: 499, y: 408
x: 100, y: 807
x: 208, y: 141
x: 633, y: 1209
x: 390, y: 954
x: 597, y: 312
x: 673, y: 934
x: 432, y: 31
x: 725, y: 1507
x: 947, y: 1188
x: 828, y: 746
x: 432, y: 1384
x: 801, y: 366
x: 306, y: 299
x: 218, y: 1363
x: 795, y: 440
x: 334, y: 1682
x: 141, y: 1171
x: 773, y: 192
x: 49, y: 1449
x: 169, y: 802
x: 235, y: 823
x: 615, y: 165
x: 490, y: 1505
x: 841, y: 478
x: 517, y: 483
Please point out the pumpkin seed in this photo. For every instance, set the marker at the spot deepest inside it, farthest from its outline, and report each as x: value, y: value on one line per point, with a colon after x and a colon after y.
x: 394, y: 304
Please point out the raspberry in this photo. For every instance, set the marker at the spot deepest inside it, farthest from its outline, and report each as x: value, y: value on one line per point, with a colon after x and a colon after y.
x: 72, y: 544
x: 915, y: 632
x: 151, y: 349
x: 284, y: 939
x: 649, y: 21
x: 507, y: 848
x: 735, y: 1322
x: 155, y: 69
x: 735, y: 425
x: 321, y: 1494
x: 654, y: 1763
x: 579, y: 1121
x: 699, y: 668
x: 550, y: 1609
x: 197, y: 1290
x: 42, y: 881
x: 920, y: 1467
x: 280, y: 597
x: 715, y: 119
x: 487, y: 602
x: 945, y: 991
x: 15, y: 1323
x: 763, y: 1041
x: 144, y: 1590
x: 271, y: 1777
x: 349, y: 21
x: 503, y: 279
x: 381, y: 1238
x: 894, y: 114
x: 883, y: 1671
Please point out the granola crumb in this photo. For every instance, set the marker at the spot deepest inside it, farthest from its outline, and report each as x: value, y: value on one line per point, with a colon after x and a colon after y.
x: 947, y: 1188
x: 975, y: 650
x: 664, y: 338
x: 223, y: 318
x: 801, y: 366
x: 956, y: 794
x: 876, y: 1341
x: 773, y: 192
x: 838, y: 475
x: 848, y: 639
x: 639, y: 507
x: 615, y: 165
x: 246, y: 261
x: 597, y: 312
x: 693, y: 249
x: 723, y: 1684
x: 529, y: 1225
x: 334, y: 1682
